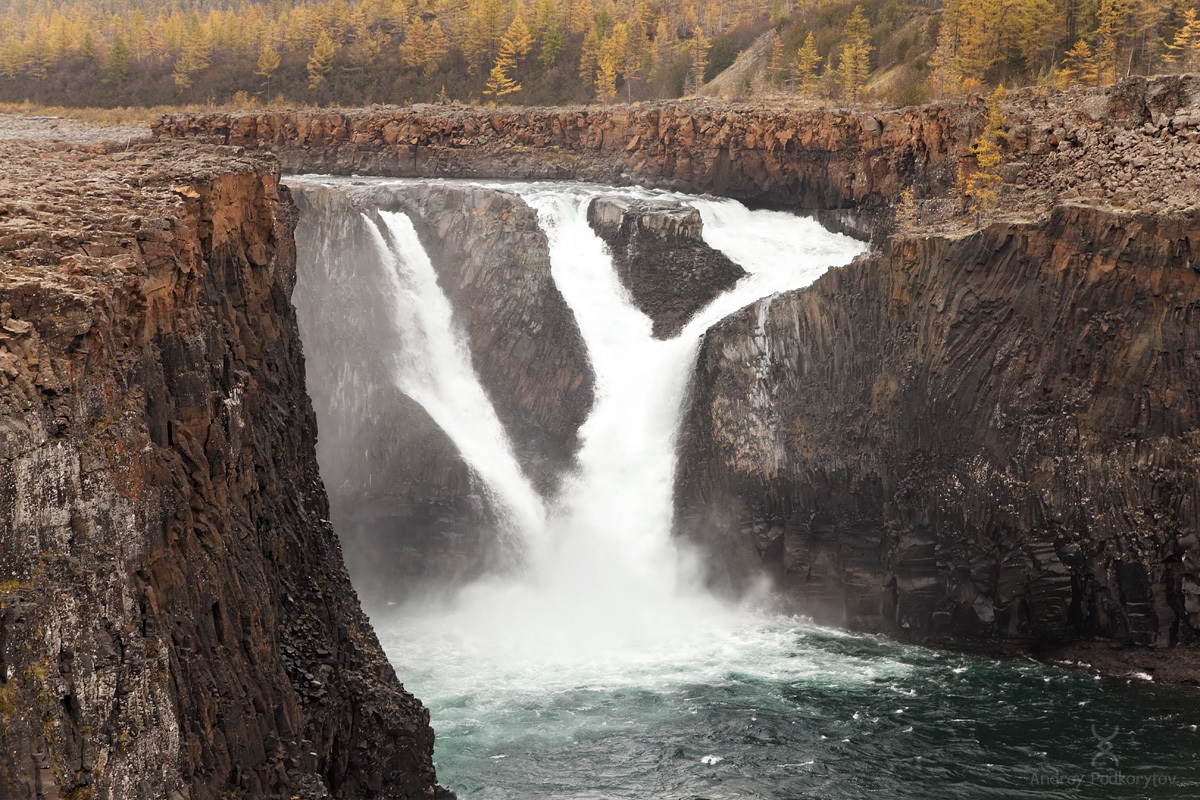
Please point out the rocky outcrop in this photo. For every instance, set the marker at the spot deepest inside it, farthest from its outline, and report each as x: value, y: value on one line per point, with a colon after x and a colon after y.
x: 816, y: 159
x: 659, y: 252
x: 408, y: 509
x: 987, y: 437
x: 175, y: 619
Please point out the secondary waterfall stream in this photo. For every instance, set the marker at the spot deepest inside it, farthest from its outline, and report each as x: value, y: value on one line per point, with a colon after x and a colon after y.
x: 604, y: 669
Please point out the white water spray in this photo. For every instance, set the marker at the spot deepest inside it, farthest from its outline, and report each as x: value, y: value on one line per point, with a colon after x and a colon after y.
x: 434, y: 368
x: 608, y: 587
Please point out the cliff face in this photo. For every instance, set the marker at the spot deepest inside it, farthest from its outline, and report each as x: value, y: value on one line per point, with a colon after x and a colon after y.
x: 175, y: 620
x: 820, y: 160
x: 987, y: 437
x: 405, y: 504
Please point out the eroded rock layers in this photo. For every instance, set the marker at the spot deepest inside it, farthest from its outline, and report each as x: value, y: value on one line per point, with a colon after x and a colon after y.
x: 659, y: 253
x: 987, y: 437
x: 175, y: 619
x: 1120, y: 144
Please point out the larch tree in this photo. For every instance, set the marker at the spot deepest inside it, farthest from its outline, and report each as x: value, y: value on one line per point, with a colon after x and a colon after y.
x: 777, y: 66
x: 943, y: 65
x: 1107, y: 69
x: 268, y: 62
x: 855, y: 66
x: 514, y: 46
x: 1079, y: 64
x: 978, y: 185
x: 437, y: 44
x: 413, y: 48
x: 699, y: 48
x: 320, y: 61
x: 1042, y: 24
x: 1183, y: 51
x: 807, y: 62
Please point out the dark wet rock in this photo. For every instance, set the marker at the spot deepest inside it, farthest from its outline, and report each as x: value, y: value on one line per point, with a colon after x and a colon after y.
x: 659, y: 252
x: 983, y: 437
x: 406, y: 505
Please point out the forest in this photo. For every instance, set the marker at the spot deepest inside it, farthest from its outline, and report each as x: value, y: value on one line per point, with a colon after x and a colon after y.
x: 355, y: 52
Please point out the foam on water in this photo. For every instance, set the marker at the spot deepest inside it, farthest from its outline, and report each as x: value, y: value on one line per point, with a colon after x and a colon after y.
x: 609, y: 590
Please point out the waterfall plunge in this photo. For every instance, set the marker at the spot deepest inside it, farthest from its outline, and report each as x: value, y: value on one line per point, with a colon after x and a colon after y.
x: 606, y: 585
x: 433, y: 367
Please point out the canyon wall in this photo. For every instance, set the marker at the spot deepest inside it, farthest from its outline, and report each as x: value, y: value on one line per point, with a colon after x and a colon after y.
x: 175, y: 618
x: 820, y: 160
x: 989, y: 436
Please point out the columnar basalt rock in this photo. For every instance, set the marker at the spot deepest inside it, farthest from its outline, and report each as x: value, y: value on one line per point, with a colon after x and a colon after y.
x: 986, y: 437
x: 659, y: 253
x: 175, y: 619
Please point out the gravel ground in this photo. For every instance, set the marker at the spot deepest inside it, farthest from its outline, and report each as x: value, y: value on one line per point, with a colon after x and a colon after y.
x: 16, y: 126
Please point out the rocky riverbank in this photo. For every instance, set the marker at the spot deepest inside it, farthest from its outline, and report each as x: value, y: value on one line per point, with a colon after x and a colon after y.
x: 175, y: 619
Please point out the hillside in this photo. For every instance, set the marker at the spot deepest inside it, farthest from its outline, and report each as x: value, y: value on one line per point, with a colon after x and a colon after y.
x: 548, y: 52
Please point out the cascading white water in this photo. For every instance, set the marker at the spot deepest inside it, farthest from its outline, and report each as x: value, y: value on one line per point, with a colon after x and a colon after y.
x: 433, y: 367
x: 608, y: 584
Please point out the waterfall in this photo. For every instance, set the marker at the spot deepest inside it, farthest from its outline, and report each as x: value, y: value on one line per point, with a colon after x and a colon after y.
x: 604, y: 670
x: 605, y: 582
x: 433, y: 367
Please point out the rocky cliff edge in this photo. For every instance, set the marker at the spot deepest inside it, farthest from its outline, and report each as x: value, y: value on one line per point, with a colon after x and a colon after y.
x: 175, y: 619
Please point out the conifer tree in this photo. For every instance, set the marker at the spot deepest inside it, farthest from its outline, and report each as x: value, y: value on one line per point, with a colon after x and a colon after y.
x: 777, y: 66
x: 554, y: 42
x: 320, y: 62
x: 514, y: 46
x: 855, y: 64
x: 589, y: 55
x: 1183, y: 51
x: 944, y: 64
x: 1106, y: 52
x: 437, y: 44
x: 413, y: 49
x: 807, y: 62
x: 1079, y: 65
x: 978, y: 186
x: 268, y: 62
x: 116, y: 63
x: 700, y: 45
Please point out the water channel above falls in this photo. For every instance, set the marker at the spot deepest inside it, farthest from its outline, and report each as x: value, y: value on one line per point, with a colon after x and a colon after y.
x: 603, y: 669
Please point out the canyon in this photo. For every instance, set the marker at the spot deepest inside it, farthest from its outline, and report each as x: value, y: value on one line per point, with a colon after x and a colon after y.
x: 978, y: 438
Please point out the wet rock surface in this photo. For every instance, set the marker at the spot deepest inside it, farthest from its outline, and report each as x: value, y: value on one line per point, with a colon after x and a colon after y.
x: 982, y: 438
x: 175, y: 619
x: 974, y: 437
x: 659, y: 252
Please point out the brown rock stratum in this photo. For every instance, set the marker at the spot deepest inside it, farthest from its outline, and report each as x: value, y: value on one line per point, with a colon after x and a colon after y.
x: 175, y: 619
